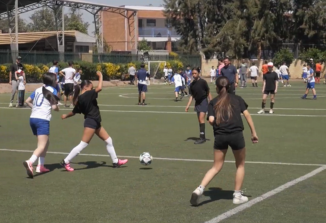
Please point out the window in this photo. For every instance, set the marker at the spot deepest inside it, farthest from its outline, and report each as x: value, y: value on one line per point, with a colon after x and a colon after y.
x: 151, y: 22
x: 82, y: 49
x: 140, y: 23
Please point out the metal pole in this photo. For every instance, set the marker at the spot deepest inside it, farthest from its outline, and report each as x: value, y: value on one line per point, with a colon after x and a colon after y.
x: 136, y: 30
x: 16, y: 26
x: 63, y: 29
x: 126, y: 30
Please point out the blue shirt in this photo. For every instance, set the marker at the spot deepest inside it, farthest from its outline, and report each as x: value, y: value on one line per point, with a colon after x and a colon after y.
x: 229, y: 72
x: 141, y: 76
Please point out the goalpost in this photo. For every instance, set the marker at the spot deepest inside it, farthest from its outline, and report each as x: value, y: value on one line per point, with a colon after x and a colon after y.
x: 153, y: 69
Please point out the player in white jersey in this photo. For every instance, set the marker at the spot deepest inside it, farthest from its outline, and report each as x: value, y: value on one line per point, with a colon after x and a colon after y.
x: 69, y: 74
x: 304, y: 73
x: 310, y: 83
x: 178, y: 81
x: 42, y: 101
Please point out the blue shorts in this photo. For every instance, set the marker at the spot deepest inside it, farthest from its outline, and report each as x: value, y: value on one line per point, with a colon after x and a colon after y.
x: 142, y: 88
x: 304, y: 75
x: 57, y: 87
x: 311, y: 85
x: 39, y: 126
x: 285, y: 77
x: 177, y: 89
x: 188, y: 82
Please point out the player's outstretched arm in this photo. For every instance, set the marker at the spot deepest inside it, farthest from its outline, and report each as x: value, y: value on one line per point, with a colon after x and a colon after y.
x: 100, y: 81
x: 29, y: 101
x: 65, y: 116
x: 254, y: 137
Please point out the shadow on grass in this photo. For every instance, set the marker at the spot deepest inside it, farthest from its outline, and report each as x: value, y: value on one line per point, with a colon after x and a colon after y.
x: 145, y: 168
x: 216, y: 193
x: 194, y: 139
x: 51, y: 167
x: 94, y: 164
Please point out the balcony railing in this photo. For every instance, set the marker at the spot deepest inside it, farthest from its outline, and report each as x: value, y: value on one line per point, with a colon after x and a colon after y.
x: 157, y: 32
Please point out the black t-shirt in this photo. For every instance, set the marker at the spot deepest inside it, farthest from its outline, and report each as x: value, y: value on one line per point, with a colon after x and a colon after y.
x: 14, y: 67
x: 234, y: 124
x: 270, y: 78
x: 87, y: 104
x: 199, y: 90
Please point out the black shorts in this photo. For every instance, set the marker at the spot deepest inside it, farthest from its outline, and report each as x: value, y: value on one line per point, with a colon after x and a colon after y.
x: 92, y: 123
x: 253, y: 78
x: 269, y: 92
x: 235, y: 141
x: 69, y: 89
x: 202, y: 106
x: 231, y: 89
x: 317, y: 73
x: 142, y: 88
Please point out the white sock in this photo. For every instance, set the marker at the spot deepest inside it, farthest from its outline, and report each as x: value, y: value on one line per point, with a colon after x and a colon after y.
x: 237, y: 192
x: 75, y: 151
x: 111, y: 151
x: 41, y: 161
x: 33, y: 159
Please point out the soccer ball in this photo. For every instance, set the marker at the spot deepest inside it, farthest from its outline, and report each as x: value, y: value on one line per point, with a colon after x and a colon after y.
x: 145, y: 158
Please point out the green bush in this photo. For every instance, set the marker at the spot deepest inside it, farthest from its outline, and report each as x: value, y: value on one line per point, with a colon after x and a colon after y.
x: 314, y: 53
x: 284, y: 55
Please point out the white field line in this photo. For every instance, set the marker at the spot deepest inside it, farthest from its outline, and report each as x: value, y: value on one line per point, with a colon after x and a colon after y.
x: 168, y: 159
x: 180, y: 113
x: 263, y: 197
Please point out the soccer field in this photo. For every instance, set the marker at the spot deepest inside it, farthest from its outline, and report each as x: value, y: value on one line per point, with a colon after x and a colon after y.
x: 285, y: 171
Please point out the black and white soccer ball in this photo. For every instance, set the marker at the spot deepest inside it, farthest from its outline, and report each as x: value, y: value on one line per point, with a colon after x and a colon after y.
x: 145, y: 158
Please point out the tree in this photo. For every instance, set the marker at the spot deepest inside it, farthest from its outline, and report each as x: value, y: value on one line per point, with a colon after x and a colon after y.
x: 143, y: 45
x: 74, y: 21
x: 42, y: 20
x: 22, y: 26
x: 284, y: 55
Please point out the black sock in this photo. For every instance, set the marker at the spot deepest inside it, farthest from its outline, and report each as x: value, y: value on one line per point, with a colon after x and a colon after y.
x: 176, y: 98
x: 263, y: 105
x: 253, y: 84
x: 272, y: 105
x: 139, y: 99
x: 144, y: 101
x: 202, y: 130
x: 256, y: 84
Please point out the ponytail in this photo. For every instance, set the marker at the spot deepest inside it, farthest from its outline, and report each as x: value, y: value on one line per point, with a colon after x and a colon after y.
x: 76, y: 94
x: 49, y: 79
x: 53, y: 99
x: 223, y: 108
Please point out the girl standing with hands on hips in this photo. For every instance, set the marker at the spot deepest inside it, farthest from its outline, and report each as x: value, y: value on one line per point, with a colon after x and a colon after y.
x: 224, y: 113
x: 85, y: 102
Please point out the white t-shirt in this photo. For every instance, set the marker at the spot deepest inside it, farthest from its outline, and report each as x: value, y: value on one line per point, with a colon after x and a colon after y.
x: 253, y: 71
x: 170, y: 71
x: 311, y: 79
x: 69, y: 74
x: 278, y: 72
x: 132, y: 71
x: 177, y: 79
x: 77, y: 78
x: 21, y: 85
x: 284, y: 69
x: 304, y: 69
x: 41, y: 106
x: 213, y: 72
x: 166, y: 72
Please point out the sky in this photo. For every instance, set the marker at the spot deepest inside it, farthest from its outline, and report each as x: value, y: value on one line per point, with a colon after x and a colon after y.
x: 87, y: 17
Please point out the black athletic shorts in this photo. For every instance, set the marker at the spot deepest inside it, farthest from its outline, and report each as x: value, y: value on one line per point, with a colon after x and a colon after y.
x: 253, y: 78
x: 269, y: 92
x: 235, y: 141
x: 69, y: 89
x: 92, y: 123
x: 202, y: 107
x: 317, y: 74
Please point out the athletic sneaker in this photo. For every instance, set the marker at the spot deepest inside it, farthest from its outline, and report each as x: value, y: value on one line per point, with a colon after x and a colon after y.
x: 10, y: 105
x: 289, y: 85
x: 120, y: 163
x: 59, y: 103
x: 29, y: 168
x: 71, y: 106
x: 271, y: 111
x: 200, y: 141
x: 196, y: 195
x: 41, y: 169
x: 261, y: 111
x: 239, y: 198
x: 66, y: 166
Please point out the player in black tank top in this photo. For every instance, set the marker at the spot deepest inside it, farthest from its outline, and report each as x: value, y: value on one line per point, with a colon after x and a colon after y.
x: 85, y: 102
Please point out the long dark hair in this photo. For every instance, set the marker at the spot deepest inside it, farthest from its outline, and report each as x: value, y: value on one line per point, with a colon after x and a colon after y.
x: 78, y: 90
x: 223, y: 107
x: 50, y: 79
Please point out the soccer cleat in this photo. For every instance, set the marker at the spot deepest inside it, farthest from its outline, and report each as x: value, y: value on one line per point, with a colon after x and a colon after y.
x: 289, y: 85
x: 17, y: 105
x: 120, y: 163
x: 10, y: 105
x: 262, y: 111
x: 66, y: 166
x: 29, y: 168
x: 71, y: 106
x: 284, y: 85
x: 196, y: 194
x: 271, y: 111
x: 41, y: 169
x: 59, y: 103
x: 239, y: 198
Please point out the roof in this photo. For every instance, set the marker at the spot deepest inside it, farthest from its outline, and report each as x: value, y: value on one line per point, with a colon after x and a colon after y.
x: 11, y: 4
x: 145, y: 8
x: 30, y: 37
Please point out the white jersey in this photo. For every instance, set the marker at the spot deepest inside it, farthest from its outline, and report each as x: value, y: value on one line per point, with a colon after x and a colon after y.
x: 132, y: 71
x: 278, y: 73
x: 213, y: 72
x: 21, y: 85
x: 41, y: 106
x: 166, y: 72
x: 311, y: 79
x: 77, y: 78
x: 69, y: 74
x: 177, y: 79
x: 53, y: 70
x: 284, y: 70
x: 170, y: 71
x: 304, y: 70
x: 253, y: 71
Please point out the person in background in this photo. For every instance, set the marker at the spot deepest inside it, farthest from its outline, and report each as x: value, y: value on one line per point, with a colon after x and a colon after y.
x: 166, y: 74
x: 132, y: 72
x: 285, y: 75
x: 68, y: 74
x: 264, y: 68
x: 212, y: 74
x: 13, y: 81
x: 188, y: 73
x: 310, y: 83
x: 318, y: 71
x: 254, y: 71
x: 230, y: 72
x: 55, y: 70
x: 220, y: 66
x: 77, y: 77
x: 304, y: 73
x: 178, y: 81
x: 243, y: 71
x: 141, y: 76
x: 20, y: 76
x: 170, y: 73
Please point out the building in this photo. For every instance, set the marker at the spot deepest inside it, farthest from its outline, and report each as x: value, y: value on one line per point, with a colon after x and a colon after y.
x: 120, y: 32
x: 75, y: 41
